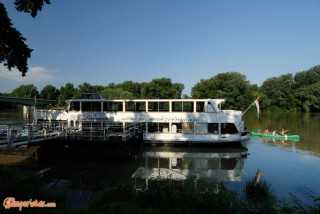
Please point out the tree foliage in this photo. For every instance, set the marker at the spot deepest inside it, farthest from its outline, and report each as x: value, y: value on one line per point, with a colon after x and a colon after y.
x: 232, y: 86
x: 162, y: 88
x: 88, y: 88
x: 14, y: 52
x: 30, y: 6
x: 278, y: 90
x: 299, y: 92
x: 49, y: 92
x: 309, y: 77
x: 67, y: 92
x: 25, y: 91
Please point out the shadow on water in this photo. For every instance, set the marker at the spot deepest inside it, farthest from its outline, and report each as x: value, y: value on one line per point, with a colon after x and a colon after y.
x: 202, y: 165
x: 84, y: 169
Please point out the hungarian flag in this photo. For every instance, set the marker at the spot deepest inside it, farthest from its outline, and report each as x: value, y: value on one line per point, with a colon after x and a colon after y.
x: 256, y: 105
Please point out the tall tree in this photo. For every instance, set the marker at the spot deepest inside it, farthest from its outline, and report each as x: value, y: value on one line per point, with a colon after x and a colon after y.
x: 133, y: 87
x: 232, y: 86
x: 279, y: 90
x: 14, y: 52
x: 306, y: 78
x: 67, y: 92
x: 162, y: 88
x: 116, y: 93
x: 49, y: 92
x: 88, y: 88
x: 25, y: 91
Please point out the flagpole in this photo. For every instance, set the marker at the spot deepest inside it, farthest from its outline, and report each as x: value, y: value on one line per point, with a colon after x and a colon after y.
x: 250, y: 106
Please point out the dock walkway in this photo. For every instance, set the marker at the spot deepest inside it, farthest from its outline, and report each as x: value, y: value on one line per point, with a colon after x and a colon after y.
x: 30, y: 134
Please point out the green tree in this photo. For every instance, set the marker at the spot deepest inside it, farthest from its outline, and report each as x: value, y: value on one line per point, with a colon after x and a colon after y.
x: 309, y: 97
x: 232, y: 86
x: 14, y: 52
x: 49, y: 92
x: 162, y: 88
x: 25, y: 91
x: 116, y: 93
x: 88, y: 88
x: 132, y: 87
x: 309, y: 77
x: 307, y: 89
x: 280, y: 90
x: 67, y: 92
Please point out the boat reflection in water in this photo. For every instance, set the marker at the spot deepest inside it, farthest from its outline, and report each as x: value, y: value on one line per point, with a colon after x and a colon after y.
x: 201, y: 165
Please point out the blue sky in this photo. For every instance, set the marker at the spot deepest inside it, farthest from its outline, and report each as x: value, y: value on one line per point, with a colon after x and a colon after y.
x: 112, y: 41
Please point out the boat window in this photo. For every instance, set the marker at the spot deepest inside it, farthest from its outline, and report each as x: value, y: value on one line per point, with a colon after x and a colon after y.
x: 165, y: 127
x: 157, y: 127
x: 86, y: 106
x: 112, y: 106
x: 228, y: 128
x: 214, y: 163
x: 213, y: 128
x: 156, y: 162
x: 176, y: 128
x: 182, y: 106
x: 176, y: 163
x: 187, y: 128
x: 201, y: 163
x: 205, y: 128
x: 91, y: 106
x: 75, y: 106
x: 96, y: 106
x: 135, y: 106
x: 187, y: 106
x: 158, y: 106
x: 228, y: 163
x: 177, y: 106
x: 188, y: 163
x: 201, y: 128
x: 200, y: 107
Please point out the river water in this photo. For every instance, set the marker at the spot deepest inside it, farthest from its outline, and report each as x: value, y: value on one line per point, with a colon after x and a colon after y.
x: 291, y: 167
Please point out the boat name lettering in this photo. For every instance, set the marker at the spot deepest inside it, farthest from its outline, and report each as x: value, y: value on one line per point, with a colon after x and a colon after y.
x: 94, y: 116
x: 163, y: 118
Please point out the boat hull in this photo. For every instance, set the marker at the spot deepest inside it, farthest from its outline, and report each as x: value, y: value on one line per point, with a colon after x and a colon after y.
x: 191, y: 138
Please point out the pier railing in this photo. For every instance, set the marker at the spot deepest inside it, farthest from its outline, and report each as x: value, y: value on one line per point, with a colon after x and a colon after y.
x: 20, y: 135
x: 105, y: 131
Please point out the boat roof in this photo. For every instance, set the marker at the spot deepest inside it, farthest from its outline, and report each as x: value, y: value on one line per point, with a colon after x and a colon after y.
x: 213, y: 101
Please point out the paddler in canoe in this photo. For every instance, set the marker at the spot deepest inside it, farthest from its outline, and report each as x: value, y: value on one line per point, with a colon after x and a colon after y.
x: 283, y: 132
x: 266, y: 131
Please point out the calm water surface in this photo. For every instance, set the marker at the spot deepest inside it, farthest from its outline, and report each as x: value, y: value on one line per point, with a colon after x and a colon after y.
x: 290, y: 166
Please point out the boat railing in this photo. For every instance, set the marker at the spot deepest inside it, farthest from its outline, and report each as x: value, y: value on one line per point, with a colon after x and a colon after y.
x: 14, y: 136
x: 104, y: 131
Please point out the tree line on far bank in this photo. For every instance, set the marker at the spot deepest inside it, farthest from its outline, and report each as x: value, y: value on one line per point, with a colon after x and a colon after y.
x: 288, y: 92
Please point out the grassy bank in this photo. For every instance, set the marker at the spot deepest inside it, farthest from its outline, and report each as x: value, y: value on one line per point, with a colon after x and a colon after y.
x: 160, y: 197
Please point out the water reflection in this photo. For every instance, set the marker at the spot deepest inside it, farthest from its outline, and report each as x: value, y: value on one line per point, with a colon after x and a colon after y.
x: 210, y: 165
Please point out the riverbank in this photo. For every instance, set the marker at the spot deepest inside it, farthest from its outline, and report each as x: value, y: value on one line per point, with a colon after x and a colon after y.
x: 28, y: 185
x: 21, y: 155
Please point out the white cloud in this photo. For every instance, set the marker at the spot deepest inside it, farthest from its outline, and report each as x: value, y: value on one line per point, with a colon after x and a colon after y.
x: 34, y: 75
x: 38, y: 76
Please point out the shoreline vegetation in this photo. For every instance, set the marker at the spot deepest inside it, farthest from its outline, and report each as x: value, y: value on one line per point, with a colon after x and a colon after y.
x: 297, y: 92
x: 161, y: 196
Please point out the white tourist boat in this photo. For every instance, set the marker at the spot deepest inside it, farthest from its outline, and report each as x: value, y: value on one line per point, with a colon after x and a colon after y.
x: 160, y: 120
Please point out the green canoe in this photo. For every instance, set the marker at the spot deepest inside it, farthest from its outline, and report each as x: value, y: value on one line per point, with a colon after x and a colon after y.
x: 285, y: 137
